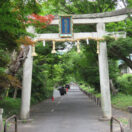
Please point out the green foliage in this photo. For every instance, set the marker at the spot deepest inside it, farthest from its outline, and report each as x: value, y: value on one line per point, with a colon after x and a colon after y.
x: 13, y: 15
x: 86, y: 66
x: 4, y: 58
x: 124, y: 83
x: 2, y: 71
x: 4, y: 62
x: 122, y: 101
x: 113, y: 69
x: 89, y: 89
x: 40, y: 91
x: 122, y: 45
x: 9, y: 26
x: 13, y: 18
x: 46, y: 73
x: 124, y: 121
x: 78, y: 7
x: 3, y: 84
x: 11, y: 106
x: 125, y: 26
x: 121, y: 48
x: 58, y: 73
x: 129, y: 3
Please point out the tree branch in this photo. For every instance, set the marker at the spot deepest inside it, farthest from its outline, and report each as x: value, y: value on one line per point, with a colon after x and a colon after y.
x: 118, y: 54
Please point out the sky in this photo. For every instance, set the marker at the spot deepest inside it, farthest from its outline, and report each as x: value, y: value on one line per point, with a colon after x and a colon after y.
x: 120, y: 5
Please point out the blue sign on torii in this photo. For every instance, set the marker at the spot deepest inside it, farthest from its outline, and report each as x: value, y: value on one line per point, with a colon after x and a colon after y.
x: 66, y: 26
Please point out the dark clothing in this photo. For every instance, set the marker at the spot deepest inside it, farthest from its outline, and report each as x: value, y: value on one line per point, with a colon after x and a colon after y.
x: 62, y: 90
x: 67, y: 86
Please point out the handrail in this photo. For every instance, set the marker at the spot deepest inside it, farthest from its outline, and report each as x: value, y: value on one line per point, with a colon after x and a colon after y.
x: 97, y: 100
x: 111, y: 124
x: 5, y: 126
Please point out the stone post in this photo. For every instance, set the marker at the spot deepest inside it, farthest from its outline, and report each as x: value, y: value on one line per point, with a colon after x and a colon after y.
x: 1, y: 120
x: 26, y: 86
x: 130, y: 119
x: 104, y: 74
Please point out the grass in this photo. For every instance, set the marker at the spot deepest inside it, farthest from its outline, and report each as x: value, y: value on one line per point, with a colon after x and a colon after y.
x: 123, y: 121
x: 11, y: 106
x: 122, y: 101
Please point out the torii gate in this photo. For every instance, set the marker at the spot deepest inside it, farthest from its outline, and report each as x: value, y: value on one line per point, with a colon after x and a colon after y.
x: 97, y: 18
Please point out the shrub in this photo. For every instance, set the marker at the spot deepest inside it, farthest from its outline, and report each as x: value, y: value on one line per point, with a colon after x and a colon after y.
x: 124, y: 83
x: 87, y: 89
x: 11, y: 106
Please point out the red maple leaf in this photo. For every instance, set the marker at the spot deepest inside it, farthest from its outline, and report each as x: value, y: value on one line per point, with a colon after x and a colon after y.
x: 35, y: 19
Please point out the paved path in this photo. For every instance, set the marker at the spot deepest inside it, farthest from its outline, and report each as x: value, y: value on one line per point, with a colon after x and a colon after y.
x: 71, y: 113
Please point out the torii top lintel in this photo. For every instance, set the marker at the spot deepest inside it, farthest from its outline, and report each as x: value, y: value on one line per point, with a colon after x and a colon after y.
x: 106, y: 17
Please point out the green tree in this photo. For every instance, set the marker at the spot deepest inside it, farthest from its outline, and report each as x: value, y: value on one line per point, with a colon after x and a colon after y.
x: 13, y: 18
x: 78, y: 7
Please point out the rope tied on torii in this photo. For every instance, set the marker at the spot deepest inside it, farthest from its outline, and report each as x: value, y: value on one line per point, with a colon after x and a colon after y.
x: 76, y: 40
x: 66, y: 40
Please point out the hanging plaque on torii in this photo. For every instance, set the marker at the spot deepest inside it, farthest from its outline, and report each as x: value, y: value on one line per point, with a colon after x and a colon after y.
x: 65, y: 26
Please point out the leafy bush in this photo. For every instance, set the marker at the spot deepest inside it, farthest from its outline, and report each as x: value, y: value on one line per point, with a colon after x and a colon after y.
x: 4, y: 58
x: 11, y: 106
x: 87, y: 89
x: 124, y: 83
x: 42, y: 85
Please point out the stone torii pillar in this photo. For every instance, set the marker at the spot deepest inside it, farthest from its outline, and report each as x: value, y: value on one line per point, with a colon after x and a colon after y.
x: 130, y: 119
x: 26, y: 89
x: 104, y: 74
x: 27, y: 82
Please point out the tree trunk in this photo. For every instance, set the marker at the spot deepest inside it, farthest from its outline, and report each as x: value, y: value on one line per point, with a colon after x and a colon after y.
x: 127, y: 61
x: 15, y: 93
x: 17, y: 61
x: 7, y: 92
x: 116, y: 53
x: 112, y: 87
x: 16, y: 64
